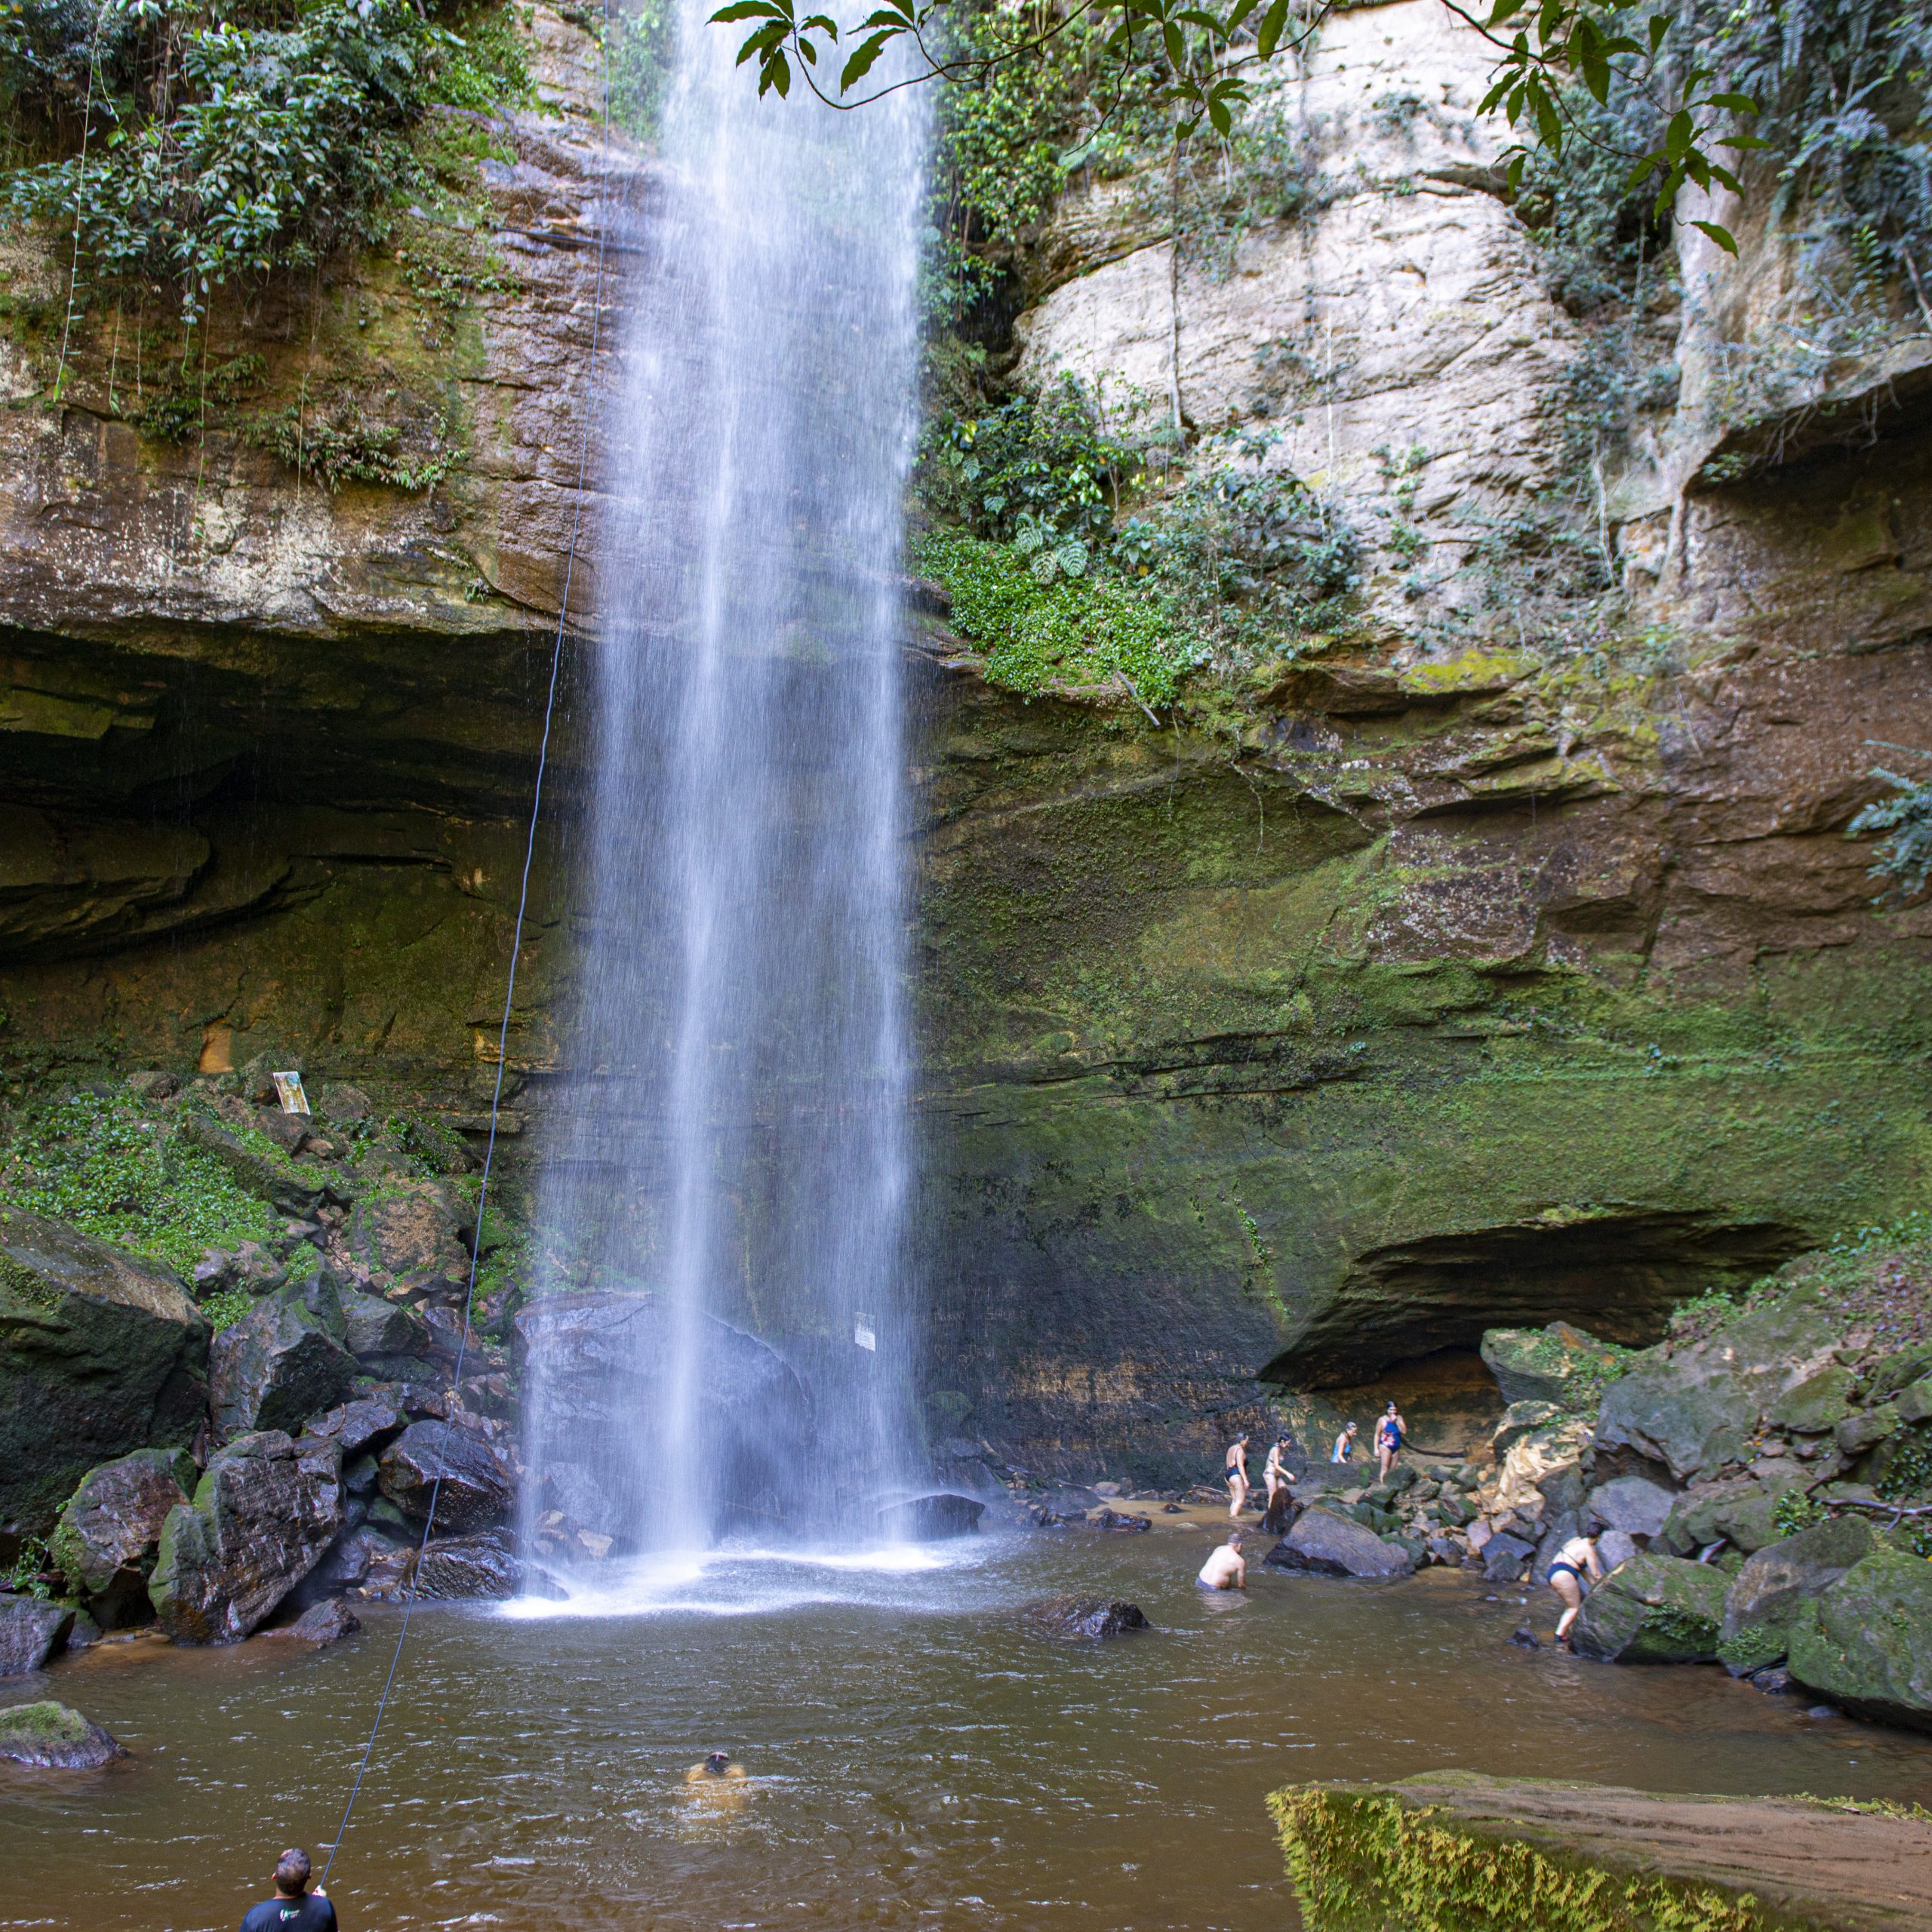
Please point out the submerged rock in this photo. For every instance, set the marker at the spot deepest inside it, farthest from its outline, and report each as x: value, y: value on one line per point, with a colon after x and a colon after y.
x: 934, y: 1518
x: 1866, y: 1641
x: 51, y: 1737
x: 468, y: 1481
x: 1331, y: 1546
x: 1653, y: 1610
x: 264, y: 1511
x: 1093, y: 1619
x: 282, y: 1362
x: 101, y: 1352
x: 108, y: 1533
x: 30, y: 1632
x: 325, y: 1623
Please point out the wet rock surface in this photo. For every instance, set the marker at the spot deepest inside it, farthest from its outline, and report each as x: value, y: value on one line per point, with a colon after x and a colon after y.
x: 101, y: 1352
x: 266, y: 1509
x: 1653, y: 1610
x: 1090, y: 1619
x: 1865, y: 1641
x: 50, y: 1736
x: 469, y: 1480
x: 30, y: 1633
x: 1331, y: 1546
x: 460, y: 1567
x: 107, y: 1534
x: 321, y: 1623
x: 282, y: 1362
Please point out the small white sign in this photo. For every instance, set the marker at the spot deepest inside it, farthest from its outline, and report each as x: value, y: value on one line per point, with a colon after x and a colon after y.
x: 288, y: 1090
x: 863, y: 1334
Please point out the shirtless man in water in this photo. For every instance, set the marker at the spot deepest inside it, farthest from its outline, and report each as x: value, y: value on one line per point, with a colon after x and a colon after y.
x: 1224, y: 1569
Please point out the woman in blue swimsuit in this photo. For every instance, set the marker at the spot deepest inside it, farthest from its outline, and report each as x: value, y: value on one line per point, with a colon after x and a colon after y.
x: 1389, y: 1433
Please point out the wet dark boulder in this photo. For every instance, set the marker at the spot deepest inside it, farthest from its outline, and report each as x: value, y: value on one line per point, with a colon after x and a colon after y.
x: 1866, y: 1641
x: 368, y: 1422
x: 265, y: 1510
x: 1506, y: 1558
x: 1331, y: 1546
x: 327, y: 1622
x: 1084, y: 1620
x: 283, y: 1362
x: 101, y: 1352
x: 105, y: 1542
x: 49, y: 1736
x: 374, y: 1327
x: 459, y: 1567
x: 468, y: 1478
x: 1653, y: 1610
x: 933, y: 1518
x: 30, y: 1633
x: 603, y: 1359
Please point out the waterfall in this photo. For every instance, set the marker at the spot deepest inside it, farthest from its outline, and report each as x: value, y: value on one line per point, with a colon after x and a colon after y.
x: 721, y: 1346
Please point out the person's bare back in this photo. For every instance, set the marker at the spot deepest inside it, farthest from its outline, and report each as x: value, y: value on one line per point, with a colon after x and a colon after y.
x: 1224, y: 1569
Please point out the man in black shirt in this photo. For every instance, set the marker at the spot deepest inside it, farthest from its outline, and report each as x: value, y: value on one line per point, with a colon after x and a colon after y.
x: 294, y: 1908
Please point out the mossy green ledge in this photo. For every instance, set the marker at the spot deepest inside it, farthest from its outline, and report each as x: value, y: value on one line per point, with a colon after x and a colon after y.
x: 1452, y: 1851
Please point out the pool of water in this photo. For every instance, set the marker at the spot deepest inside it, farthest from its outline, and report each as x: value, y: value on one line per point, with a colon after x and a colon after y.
x: 921, y: 1758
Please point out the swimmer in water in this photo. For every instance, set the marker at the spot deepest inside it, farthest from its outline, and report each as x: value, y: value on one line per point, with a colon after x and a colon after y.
x: 1224, y: 1569
x: 1237, y: 1470
x: 1577, y: 1567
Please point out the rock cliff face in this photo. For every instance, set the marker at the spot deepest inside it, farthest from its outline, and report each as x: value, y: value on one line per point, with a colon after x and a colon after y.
x: 1450, y: 985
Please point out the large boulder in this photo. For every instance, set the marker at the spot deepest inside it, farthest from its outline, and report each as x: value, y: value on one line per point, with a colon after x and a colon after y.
x: 480, y: 1567
x: 51, y: 1737
x: 1633, y: 1504
x: 265, y: 1510
x: 374, y: 1327
x: 1775, y: 1585
x: 593, y: 1362
x: 1695, y: 1406
x: 1332, y: 1545
x: 1653, y: 1610
x: 101, y: 1352
x: 368, y: 1422
x: 1865, y: 1642
x: 106, y: 1537
x: 1535, y: 1457
x: 1558, y: 1364
x: 468, y: 1479
x: 283, y: 1362
x: 412, y: 1230
x: 30, y: 1632
x: 1742, y: 1511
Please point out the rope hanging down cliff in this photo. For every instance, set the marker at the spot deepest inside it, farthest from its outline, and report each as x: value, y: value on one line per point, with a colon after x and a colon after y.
x: 516, y: 943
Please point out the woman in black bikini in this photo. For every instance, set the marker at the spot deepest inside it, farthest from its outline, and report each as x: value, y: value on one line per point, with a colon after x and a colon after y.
x: 1237, y: 1467
x: 1577, y: 1567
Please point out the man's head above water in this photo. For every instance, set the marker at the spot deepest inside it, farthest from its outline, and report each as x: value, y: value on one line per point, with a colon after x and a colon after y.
x: 717, y: 1763
x: 291, y: 1873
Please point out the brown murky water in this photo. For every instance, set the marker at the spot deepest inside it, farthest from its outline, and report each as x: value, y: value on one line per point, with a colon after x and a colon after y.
x: 922, y: 1759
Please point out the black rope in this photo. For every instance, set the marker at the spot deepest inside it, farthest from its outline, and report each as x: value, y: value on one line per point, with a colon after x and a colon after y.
x: 510, y: 990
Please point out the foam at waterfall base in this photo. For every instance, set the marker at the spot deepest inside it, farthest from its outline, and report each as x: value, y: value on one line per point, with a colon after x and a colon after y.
x: 753, y: 1582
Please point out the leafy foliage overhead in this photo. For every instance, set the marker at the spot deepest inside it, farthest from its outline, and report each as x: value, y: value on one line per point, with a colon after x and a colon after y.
x: 1203, y: 57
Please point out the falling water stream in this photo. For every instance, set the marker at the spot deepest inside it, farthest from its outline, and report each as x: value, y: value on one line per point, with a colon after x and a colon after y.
x: 735, y: 1145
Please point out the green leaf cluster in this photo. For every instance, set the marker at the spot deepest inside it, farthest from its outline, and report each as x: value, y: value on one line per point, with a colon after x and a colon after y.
x: 1903, y: 856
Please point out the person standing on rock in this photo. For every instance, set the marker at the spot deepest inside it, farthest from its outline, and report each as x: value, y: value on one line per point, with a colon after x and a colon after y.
x: 1277, y: 1479
x: 1345, y: 1444
x: 1388, y: 1434
x: 1237, y: 1466
x: 1224, y: 1569
x: 1577, y: 1567
x: 294, y: 1908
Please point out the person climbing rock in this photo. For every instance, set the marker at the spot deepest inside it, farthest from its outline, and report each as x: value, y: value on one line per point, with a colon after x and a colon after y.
x: 1388, y: 1434
x: 1278, y: 1479
x: 1237, y: 1470
x: 1224, y: 1569
x: 1575, y: 1567
x: 1345, y: 1444
x: 294, y: 1908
